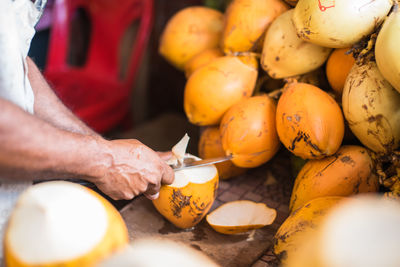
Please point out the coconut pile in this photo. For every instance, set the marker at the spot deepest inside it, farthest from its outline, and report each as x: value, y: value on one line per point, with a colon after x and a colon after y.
x: 319, y: 78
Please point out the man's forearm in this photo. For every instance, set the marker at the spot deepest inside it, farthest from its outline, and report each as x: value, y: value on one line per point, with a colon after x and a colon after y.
x: 32, y: 148
x: 48, y: 107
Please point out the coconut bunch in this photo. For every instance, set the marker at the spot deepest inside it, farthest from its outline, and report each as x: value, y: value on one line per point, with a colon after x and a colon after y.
x: 320, y: 78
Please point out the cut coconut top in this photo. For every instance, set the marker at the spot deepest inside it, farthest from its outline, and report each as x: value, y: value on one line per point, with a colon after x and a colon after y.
x: 55, y: 221
x: 179, y: 150
x: 155, y: 252
x: 242, y: 213
x: 197, y: 175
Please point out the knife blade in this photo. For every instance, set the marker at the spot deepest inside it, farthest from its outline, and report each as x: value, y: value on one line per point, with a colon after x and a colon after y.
x: 192, y: 163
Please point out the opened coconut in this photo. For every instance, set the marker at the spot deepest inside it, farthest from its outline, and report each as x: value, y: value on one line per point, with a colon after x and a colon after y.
x: 248, y: 131
x: 246, y: 22
x: 349, y: 171
x: 338, y: 23
x: 188, y: 199
x: 371, y: 108
x: 361, y: 232
x: 210, y: 146
x: 189, y: 32
x: 213, y: 89
x: 62, y: 224
x: 285, y: 54
x: 240, y: 216
x: 156, y: 252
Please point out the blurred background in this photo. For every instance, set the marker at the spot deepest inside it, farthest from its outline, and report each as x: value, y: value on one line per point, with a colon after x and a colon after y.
x: 74, y: 47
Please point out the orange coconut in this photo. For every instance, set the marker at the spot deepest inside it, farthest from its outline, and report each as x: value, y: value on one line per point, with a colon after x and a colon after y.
x: 213, y: 89
x: 189, y: 32
x: 62, y: 224
x: 188, y: 199
x: 309, y: 121
x: 246, y: 22
x: 338, y: 67
x: 248, y: 131
x: 347, y: 172
x: 201, y: 59
x: 210, y: 146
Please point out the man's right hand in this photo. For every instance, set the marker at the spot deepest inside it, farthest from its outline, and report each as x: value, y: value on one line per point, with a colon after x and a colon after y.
x: 129, y: 168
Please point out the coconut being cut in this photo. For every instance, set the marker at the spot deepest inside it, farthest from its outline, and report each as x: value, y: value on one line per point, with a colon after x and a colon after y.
x: 240, y: 216
x: 187, y: 200
x: 62, y: 223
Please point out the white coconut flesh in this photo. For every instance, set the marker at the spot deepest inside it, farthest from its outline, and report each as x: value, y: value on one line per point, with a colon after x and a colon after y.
x: 55, y: 221
x: 242, y: 213
x: 179, y: 150
x: 362, y: 232
x: 158, y: 252
x: 196, y: 175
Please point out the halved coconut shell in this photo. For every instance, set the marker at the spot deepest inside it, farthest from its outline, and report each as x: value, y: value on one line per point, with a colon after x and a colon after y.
x: 240, y: 216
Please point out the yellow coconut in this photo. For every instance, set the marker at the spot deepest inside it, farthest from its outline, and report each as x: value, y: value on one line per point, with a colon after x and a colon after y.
x: 210, y: 146
x: 338, y: 67
x: 213, y: 89
x: 309, y: 121
x: 371, y: 108
x: 240, y: 216
x: 387, y: 49
x: 327, y: 22
x: 285, y: 54
x: 189, y: 32
x: 300, y: 224
x: 248, y: 131
x: 62, y: 224
x: 156, y: 252
x: 246, y: 22
x: 188, y: 199
x: 201, y: 59
x: 349, y: 171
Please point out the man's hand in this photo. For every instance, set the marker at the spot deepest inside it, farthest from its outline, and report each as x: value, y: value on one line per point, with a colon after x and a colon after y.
x: 134, y: 169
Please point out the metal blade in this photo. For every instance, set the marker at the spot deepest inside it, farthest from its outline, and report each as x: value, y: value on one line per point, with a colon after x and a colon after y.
x: 199, y: 163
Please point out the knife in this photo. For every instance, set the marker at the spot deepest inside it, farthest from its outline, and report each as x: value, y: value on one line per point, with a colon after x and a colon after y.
x: 192, y: 163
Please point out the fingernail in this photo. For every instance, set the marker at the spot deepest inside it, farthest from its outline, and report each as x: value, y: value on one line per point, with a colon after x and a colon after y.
x: 155, y: 196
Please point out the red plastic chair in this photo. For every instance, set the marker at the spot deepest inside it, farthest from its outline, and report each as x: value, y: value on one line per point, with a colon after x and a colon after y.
x: 94, y: 91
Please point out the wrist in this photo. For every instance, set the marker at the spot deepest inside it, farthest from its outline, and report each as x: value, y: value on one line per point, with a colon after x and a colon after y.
x: 98, y: 159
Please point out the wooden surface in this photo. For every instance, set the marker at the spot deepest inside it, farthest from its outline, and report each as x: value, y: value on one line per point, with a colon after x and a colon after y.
x: 250, y: 249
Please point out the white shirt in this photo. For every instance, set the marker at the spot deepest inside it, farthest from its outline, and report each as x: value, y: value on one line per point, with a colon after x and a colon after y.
x: 17, y: 19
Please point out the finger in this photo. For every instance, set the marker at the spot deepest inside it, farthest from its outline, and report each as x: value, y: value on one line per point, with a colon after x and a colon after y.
x: 168, y: 175
x: 165, y: 155
x: 153, y: 189
x: 152, y: 197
